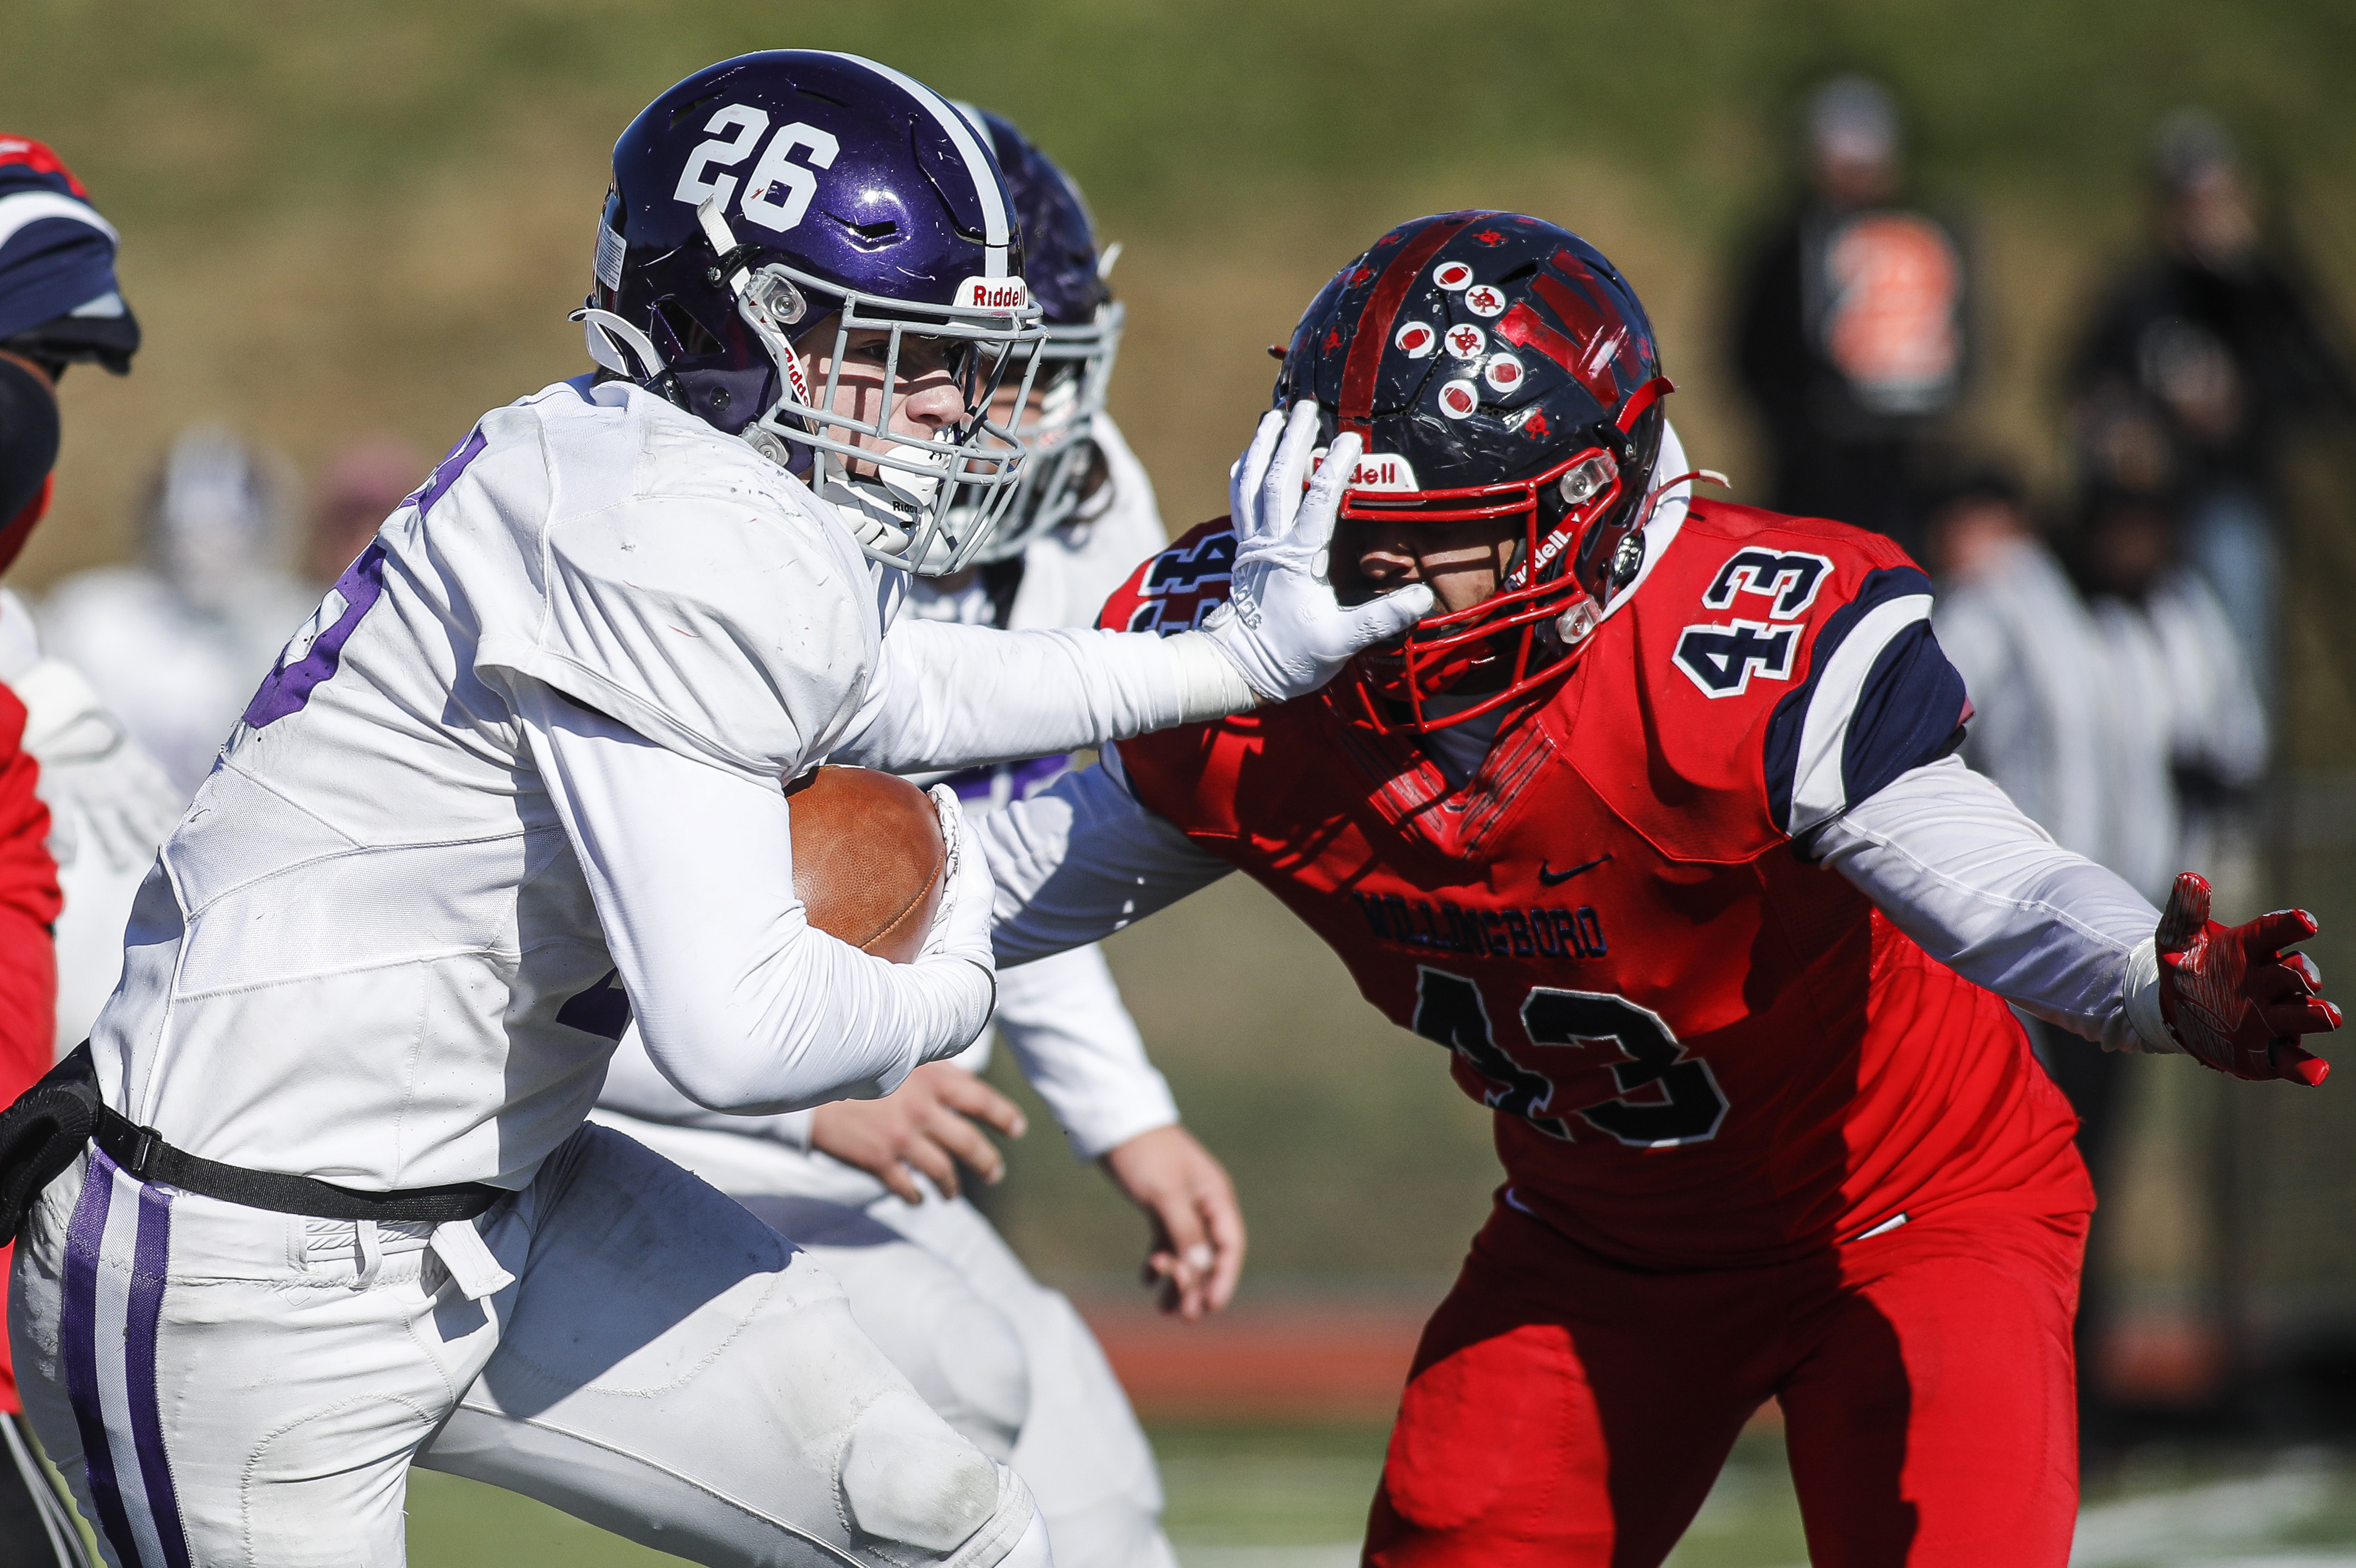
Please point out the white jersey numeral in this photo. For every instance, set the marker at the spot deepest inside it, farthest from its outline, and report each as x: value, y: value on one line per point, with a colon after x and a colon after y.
x: 778, y: 192
x: 777, y: 168
x: 748, y: 123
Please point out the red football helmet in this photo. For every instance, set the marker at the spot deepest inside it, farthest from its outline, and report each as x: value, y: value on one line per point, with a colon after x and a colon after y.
x: 1494, y: 366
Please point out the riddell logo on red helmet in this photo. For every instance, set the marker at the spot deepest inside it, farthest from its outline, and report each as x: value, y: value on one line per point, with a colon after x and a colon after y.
x: 991, y: 294
x: 1379, y: 471
x: 1384, y: 471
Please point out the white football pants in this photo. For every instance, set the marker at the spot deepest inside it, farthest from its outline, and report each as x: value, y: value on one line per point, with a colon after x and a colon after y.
x: 224, y: 1386
x: 1004, y: 1360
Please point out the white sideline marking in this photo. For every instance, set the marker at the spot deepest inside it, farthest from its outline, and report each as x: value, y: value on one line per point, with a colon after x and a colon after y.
x: 1340, y: 1555
x: 2191, y: 1526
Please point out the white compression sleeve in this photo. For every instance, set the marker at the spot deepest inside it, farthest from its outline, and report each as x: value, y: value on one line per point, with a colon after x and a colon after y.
x: 741, y: 1003
x: 1957, y: 867
x: 946, y: 696
x: 1062, y: 1018
x: 1077, y: 862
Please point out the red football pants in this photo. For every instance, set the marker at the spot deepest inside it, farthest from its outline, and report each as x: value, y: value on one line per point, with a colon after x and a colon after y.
x: 1564, y: 1411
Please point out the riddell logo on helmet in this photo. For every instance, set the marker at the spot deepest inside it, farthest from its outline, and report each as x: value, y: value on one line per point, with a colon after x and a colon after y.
x: 1383, y: 471
x: 1380, y: 471
x: 991, y: 294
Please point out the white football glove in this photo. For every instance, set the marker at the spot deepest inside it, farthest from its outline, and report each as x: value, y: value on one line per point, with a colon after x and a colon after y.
x: 1281, y: 626
x: 961, y: 924
x: 92, y: 772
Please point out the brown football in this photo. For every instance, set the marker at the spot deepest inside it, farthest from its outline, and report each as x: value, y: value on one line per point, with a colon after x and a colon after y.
x: 868, y: 859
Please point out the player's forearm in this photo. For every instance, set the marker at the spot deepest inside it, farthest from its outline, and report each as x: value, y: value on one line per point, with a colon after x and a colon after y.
x: 955, y: 697
x: 1078, y: 1047
x: 741, y: 1003
x: 1081, y: 860
x: 1953, y: 864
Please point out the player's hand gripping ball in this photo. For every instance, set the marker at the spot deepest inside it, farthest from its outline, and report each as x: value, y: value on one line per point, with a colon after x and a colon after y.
x: 2232, y: 997
x: 869, y: 860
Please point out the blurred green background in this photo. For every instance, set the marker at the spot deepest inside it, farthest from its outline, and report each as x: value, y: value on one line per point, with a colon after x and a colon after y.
x: 340, y: 219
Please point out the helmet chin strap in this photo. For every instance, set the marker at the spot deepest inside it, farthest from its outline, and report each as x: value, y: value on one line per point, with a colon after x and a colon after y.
x: 769, y: 311
x: 618, y: 346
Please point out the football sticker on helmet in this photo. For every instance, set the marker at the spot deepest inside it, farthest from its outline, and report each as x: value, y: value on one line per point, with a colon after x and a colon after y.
x: 1416, y: 340
x: 1458, y: 400
x: 1503, y: 373
x: 1451, y: 275
x: 1485, y: 301
x: 1465, y: 342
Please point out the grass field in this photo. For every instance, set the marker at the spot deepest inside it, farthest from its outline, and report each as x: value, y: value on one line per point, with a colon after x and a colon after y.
x: 1295, y: 1496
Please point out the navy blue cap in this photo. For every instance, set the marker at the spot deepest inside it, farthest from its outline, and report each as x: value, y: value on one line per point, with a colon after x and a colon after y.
x: 58, y: 297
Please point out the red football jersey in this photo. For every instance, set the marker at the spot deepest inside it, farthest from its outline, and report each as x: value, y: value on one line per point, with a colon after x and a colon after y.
x: 1703, y: 1049
x: 30, y: 902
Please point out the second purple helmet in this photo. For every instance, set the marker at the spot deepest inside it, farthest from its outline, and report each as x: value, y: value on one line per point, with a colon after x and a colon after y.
x: 1083, y: 322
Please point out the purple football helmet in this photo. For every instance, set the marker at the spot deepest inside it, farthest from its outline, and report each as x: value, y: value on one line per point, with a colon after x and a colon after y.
x: 776, y: 203
x: 1083, y: 322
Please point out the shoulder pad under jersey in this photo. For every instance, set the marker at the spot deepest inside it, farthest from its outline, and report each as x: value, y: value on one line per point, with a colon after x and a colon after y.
x: 1172, y: 590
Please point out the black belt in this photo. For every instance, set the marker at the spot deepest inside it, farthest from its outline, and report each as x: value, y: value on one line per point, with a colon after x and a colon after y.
x: 144, y: 1155
x: 58, y: 1117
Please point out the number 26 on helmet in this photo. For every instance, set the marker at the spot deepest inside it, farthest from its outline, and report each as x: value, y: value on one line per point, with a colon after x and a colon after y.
x: 783, y: 212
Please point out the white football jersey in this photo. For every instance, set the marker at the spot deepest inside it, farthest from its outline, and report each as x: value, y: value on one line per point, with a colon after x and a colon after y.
x: 1064, y: 1015
x: 368, y: 952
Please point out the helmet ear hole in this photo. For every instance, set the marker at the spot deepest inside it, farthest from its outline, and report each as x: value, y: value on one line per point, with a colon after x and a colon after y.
x: 691, y: 338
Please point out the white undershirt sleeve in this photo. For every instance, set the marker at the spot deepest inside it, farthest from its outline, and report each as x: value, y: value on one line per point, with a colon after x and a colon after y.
x: 946, y: 696
x: 742, y: 1004
x: 636, y: 1087
x: 1080, y: 862
x: 1955, y: 864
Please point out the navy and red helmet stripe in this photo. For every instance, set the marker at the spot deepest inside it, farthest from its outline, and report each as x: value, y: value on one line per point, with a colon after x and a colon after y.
x: 1513, y: 375
x: 1579, y: 342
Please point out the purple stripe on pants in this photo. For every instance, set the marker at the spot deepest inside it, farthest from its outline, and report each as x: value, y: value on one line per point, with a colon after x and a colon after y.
x: 85, y: 1236
x: 149, y: 1259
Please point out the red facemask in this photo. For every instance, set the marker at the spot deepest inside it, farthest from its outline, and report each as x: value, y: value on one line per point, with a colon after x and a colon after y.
x: 1544, y: 606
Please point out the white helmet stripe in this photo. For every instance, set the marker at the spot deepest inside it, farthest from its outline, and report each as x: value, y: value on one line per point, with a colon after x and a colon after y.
x: 33, y: 206
x: 996, y: 228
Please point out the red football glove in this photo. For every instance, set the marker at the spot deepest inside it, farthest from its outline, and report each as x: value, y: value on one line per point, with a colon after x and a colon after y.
x: 2232, y: 997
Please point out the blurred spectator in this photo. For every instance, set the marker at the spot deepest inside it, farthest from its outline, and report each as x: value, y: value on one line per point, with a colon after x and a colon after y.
x: 2115, y: 709
x: 2046, y: 724
x: 360, y: 488
x: 1852, y: 338
x: 2202, y: 358
x: 2178, y: 663
x: 177, y: 643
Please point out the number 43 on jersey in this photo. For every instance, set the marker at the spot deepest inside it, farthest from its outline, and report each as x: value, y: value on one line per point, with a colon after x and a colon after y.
x: 1664, y: 1099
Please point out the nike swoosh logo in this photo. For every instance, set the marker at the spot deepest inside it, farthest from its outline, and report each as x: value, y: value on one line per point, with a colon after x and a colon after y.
x: 1552, y: 879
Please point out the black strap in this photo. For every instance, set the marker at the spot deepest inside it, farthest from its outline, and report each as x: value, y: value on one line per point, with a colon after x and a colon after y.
x: 146, y: 1156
